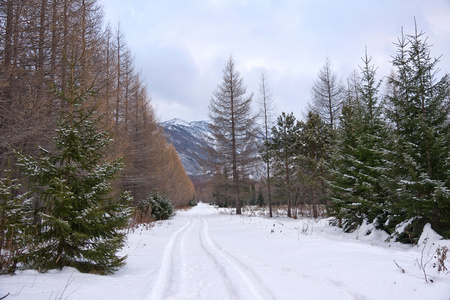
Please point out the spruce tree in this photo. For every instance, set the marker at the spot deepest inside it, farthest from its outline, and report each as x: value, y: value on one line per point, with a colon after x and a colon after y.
x: 371, y: 159
x: 15, y: 214
x: 160, y: 205
x: 80, y: 219
x: 343, y: 180
x: 419, y: 115
x: 358, y: 184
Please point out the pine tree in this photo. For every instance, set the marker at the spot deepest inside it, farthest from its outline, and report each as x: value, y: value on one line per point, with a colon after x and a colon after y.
x: 284, y: 152
x: 80, y: 220
x: 314, y: 150
x: 420, y: 125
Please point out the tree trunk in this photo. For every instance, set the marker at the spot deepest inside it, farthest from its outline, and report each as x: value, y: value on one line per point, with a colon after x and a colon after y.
x: 54, y: 40
x: 314, y: 203
x: 9, y: 33
x: 235, y: 171
x: 40, y: 62
x: 288, y: 196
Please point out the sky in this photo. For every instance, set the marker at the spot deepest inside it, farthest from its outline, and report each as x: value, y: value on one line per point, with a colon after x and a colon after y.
x: 181, y: 47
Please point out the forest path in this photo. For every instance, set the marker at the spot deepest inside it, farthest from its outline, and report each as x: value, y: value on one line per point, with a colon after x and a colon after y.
x: 209, y: 256
x: 194, y: 266
x: 209, y: 253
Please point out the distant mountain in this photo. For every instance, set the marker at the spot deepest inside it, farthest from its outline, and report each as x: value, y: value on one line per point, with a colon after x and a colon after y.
x: 190, y: 141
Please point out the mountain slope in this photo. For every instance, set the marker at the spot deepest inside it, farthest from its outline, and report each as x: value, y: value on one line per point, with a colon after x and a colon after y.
x: 190, y: 141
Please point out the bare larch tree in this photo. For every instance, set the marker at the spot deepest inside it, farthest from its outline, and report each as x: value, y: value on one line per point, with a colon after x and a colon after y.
x: 233, y: 128
x: 327, y: 95
x: 266, y: 112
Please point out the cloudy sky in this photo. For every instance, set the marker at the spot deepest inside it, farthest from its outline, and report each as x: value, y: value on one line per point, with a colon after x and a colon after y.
x: 181, y: 46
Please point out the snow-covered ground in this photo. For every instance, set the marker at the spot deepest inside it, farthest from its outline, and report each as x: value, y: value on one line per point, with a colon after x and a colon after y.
x: 207, y: 253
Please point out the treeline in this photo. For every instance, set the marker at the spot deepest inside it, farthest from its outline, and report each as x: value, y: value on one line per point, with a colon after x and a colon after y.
x: 39, y: 39
x: 80, y: 149
x: 369, y: 151
x: 391, y: 163
x: 373, y: 151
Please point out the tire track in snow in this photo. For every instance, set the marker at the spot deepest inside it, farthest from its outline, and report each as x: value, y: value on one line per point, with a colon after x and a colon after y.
x: 162, y: 284
x: 190, y: 253
x: 219, y: 266
x: 254, y: 283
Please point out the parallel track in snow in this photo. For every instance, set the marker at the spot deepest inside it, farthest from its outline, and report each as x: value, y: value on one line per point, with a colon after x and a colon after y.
x: 164, y: 280
x: 192, y: 245
x: 254, y: 284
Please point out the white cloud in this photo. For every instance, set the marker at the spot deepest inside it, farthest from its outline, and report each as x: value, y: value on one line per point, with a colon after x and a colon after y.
x: 182, y: 46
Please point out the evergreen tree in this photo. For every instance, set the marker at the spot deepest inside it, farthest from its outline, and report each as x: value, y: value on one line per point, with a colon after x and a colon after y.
x: 358, y: 184
x: 160, y: 206
x: 420, y: 123
x: 15, y: 213
x: 260, y: 200
x: 343, y: 179
x: 371, y: 151
x: 284, y: 152
x: 253, y: 195
x: 192, y: 202
x: 80, y: 219
x: 314, y: 150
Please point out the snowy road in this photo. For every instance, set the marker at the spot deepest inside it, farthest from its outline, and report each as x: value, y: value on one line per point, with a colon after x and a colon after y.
x: 206, y: 253
x: 198, y: 264
x: 195, y: 267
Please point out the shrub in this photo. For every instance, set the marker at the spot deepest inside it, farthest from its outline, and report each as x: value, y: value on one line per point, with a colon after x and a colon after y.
x: 142, y: 213
x: 160, y: 205
x: 192, y: 202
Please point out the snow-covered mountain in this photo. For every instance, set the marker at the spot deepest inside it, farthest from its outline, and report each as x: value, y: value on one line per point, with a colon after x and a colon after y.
x: 190, y: 141
x: 192, y: 144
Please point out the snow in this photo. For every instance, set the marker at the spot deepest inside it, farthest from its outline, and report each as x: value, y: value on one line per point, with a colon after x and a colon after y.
x: 176, y: 122
x: 210, y: 253
x: 428, y: 234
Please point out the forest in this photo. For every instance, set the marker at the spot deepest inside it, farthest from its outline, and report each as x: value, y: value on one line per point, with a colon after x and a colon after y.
x: 369, y: 151
x: 81, y: 152
x: 73, y: 106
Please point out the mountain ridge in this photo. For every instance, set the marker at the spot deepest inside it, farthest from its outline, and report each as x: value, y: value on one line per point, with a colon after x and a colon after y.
x: 190, y: 139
